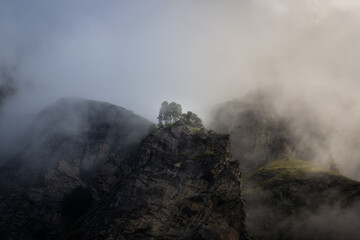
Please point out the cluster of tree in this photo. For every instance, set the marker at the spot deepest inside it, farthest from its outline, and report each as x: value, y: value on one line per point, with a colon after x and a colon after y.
x: 172, y: 112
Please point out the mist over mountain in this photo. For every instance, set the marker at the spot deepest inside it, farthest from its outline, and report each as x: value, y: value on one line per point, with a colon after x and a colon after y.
x: 90, y: 168
x: 260, y: 132
x: 7, y: 85
x: 111, y: 168
x: 72, y: 143
x: 285, y: 194
x: 281, y: 78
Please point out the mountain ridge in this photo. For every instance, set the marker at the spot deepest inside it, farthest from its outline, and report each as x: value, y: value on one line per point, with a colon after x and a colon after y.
x: 75, y: 142
x: 83, y: 155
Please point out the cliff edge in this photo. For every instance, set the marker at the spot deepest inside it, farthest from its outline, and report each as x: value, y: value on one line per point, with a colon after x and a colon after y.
x: 181, y: 185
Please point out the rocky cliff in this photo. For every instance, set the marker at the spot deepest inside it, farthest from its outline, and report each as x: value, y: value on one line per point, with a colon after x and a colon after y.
x: 181, y: 185
x: 86, y: 174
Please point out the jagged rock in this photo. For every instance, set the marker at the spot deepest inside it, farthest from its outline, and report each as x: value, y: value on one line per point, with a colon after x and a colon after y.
x: 176, y: 184
x: 181, y: 185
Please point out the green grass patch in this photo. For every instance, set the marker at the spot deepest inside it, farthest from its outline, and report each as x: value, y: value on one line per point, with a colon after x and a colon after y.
x: 168, y: 125
x: 289, y: 169
x: 194, y: 129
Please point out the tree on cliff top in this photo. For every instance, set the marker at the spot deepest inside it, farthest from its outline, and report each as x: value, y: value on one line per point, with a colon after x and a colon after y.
x: 192, y: 119
x: 170, y: 113
x: 164, y: 113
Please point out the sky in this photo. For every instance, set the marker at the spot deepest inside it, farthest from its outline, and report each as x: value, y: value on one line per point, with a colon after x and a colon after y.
x: 137, y: 54
x: 198, y: 53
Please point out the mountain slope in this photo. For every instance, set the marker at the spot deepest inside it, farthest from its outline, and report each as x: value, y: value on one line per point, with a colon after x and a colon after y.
x: 287, y: 198
x: 74, y: 143
x: 284, y: 195
x: 259, y: 133
x: 90, y: 172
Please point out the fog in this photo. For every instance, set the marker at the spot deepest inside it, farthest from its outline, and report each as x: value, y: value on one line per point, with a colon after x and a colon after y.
x: 136, y: 54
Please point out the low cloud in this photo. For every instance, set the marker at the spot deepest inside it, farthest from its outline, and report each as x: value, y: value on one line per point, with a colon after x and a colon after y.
x: 137, y: 54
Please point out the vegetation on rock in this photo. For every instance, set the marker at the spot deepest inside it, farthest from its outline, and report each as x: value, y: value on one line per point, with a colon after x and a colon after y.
x: 170, y: 113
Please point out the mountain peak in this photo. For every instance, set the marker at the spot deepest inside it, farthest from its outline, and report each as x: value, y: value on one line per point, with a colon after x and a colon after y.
x: 180, y: 185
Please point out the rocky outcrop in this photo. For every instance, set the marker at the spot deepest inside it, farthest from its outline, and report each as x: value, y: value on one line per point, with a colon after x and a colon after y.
x: 181, y: 185
x: 86, y: 173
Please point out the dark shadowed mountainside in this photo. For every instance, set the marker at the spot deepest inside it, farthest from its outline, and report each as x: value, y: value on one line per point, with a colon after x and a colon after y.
x: 72, y: 144
x: 296, y: 199
x: 93, y: 170
x: 181, y: 185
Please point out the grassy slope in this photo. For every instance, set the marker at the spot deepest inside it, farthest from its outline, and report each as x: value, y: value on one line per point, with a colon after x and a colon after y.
x: 288, y: 188
x: 293, y: 173
x: 293, y: 169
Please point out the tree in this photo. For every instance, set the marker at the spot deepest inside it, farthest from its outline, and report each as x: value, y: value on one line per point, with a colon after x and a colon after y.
x: 192, y: 119
x: 164, y: 113
x: 175, y: 111
x: 170, y: 113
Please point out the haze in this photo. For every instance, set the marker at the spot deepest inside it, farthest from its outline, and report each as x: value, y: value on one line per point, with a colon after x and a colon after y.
x: 198, y: 53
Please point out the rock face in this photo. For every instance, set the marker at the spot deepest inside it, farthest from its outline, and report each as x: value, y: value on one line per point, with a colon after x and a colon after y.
x: 181, y: 185
x: 88, y: 173
x: 74, y: 143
